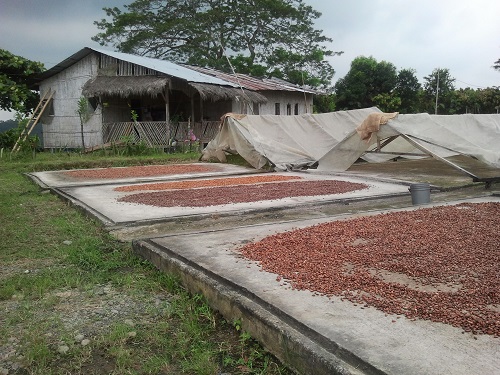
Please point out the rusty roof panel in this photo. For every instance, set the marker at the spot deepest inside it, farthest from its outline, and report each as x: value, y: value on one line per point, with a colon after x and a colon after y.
x: 253, y: 83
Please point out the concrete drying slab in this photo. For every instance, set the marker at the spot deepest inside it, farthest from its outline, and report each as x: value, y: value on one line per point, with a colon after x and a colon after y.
x: 313, y: 333
x: 101, y: 199
x: 310, y: 333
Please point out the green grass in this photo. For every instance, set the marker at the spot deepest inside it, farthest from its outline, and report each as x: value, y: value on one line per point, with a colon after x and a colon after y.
x: 50, y: 251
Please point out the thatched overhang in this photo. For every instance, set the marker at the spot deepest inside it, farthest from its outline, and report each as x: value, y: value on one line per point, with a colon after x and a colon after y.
x: 216, y: 93
x: 125, y: 86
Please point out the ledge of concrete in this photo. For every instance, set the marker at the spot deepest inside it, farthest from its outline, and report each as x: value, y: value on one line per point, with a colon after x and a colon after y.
x: 289, y: 340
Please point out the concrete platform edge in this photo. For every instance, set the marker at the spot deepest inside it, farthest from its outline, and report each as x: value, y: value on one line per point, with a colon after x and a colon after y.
x: 300, y: 348
x: 85, y: 209
x: 199, y: 217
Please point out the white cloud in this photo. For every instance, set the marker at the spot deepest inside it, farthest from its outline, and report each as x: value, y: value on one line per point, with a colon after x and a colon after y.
x: 459, y: 35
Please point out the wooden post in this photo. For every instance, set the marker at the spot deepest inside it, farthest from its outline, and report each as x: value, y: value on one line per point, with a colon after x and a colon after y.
x: 201, y: 136
x: 167, y: 116
x: 192, y: 106
x: 201, y: 109
x: 167, y: 109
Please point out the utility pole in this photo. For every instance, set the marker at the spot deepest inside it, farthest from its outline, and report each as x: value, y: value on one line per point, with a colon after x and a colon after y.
x: 437, y: 94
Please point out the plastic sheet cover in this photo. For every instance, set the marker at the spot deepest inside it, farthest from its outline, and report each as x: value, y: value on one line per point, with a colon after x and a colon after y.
x: 330, y: 141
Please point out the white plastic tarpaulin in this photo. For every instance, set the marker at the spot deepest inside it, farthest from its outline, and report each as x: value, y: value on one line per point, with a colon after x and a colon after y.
x: 330, y: 140
x: 288, y: 142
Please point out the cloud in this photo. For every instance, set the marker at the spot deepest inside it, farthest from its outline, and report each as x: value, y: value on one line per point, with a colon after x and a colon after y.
x: 49, y: 46
x: 458, y: 35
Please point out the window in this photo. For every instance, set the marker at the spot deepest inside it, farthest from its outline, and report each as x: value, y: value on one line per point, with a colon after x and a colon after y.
x: 296, y: 110
x: 288, y: 109
x: 276, y: 108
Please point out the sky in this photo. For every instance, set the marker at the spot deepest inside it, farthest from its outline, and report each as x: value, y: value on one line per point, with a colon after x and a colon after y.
x: 462, y: 36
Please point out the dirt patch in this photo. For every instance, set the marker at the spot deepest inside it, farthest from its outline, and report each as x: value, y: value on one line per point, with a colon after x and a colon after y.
x: 72, y: 319
x: 26, y: 266
x: 439, y: 264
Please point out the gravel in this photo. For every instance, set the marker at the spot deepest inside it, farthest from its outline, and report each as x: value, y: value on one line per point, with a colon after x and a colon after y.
x: 213, y: 196
x: 79, y: 318
x: 439, y: 264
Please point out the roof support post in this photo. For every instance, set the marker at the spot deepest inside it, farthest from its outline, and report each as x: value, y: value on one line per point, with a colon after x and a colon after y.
x: 192, y: 108
x: 167, y: 105
x: 168, y: 130
x: 201, y: 109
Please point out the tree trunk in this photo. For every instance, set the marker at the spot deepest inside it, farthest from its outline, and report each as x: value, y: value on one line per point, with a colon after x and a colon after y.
x: 81, y: 132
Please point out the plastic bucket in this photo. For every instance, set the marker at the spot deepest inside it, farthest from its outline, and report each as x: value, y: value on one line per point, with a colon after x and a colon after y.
x: 420, y: 193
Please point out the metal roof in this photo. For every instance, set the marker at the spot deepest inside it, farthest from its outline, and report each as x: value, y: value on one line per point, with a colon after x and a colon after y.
x: 168, y: 68
x: 186, y: 72
x: 161, y: 66
x: 254, y: 83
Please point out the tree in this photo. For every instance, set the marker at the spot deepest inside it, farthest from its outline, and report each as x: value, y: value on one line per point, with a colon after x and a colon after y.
x: 8, y: 133
x: 496, y: 65
x: 367, y: 83
x: 84, y: 114
x: 407, y: 89
x: 259, y: 37
x: 16, y: 75
x: 464, y: 101
x: 438, y: 88
x: 387, y: 102
x: 324, y: 103
x: 489, y: 100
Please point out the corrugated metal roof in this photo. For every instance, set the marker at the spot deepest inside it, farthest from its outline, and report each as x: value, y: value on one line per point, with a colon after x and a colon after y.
x: 168, y: 68
x: 162, y: 66
x: 254, y: 83
x: 186, y: 72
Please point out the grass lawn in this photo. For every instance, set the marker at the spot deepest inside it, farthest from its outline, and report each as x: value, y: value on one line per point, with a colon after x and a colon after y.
x: 73, y: 300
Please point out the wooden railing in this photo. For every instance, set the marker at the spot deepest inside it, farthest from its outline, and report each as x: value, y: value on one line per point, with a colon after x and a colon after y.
x: 159, y: 133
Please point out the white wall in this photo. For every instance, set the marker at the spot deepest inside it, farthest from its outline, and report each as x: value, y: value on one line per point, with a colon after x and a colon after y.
x: 285, y: 98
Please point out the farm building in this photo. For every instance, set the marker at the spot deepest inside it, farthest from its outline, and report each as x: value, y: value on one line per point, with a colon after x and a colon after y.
x: 150, y: 100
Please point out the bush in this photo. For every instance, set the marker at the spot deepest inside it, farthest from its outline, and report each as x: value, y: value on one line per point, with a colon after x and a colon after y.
x: 8, y: 138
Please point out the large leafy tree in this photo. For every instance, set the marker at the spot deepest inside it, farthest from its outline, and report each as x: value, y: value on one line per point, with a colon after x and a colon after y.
x: 259, y: 37
x: 407, y: 89
x: 489, y: 100
x: 367, y: 83
x: 438, y: 85
x: 16, y: 74
x: 465, y: 101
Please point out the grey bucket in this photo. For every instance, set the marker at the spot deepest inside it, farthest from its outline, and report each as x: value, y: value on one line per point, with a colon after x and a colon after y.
x: 420, y: 193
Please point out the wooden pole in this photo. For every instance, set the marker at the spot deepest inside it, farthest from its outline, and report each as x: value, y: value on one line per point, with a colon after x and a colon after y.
x: 168, y: 130
x: 192, y: 107
x: 167, y: 106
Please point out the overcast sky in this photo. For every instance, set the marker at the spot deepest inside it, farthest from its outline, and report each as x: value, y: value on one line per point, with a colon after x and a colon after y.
x: 460, y: 35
